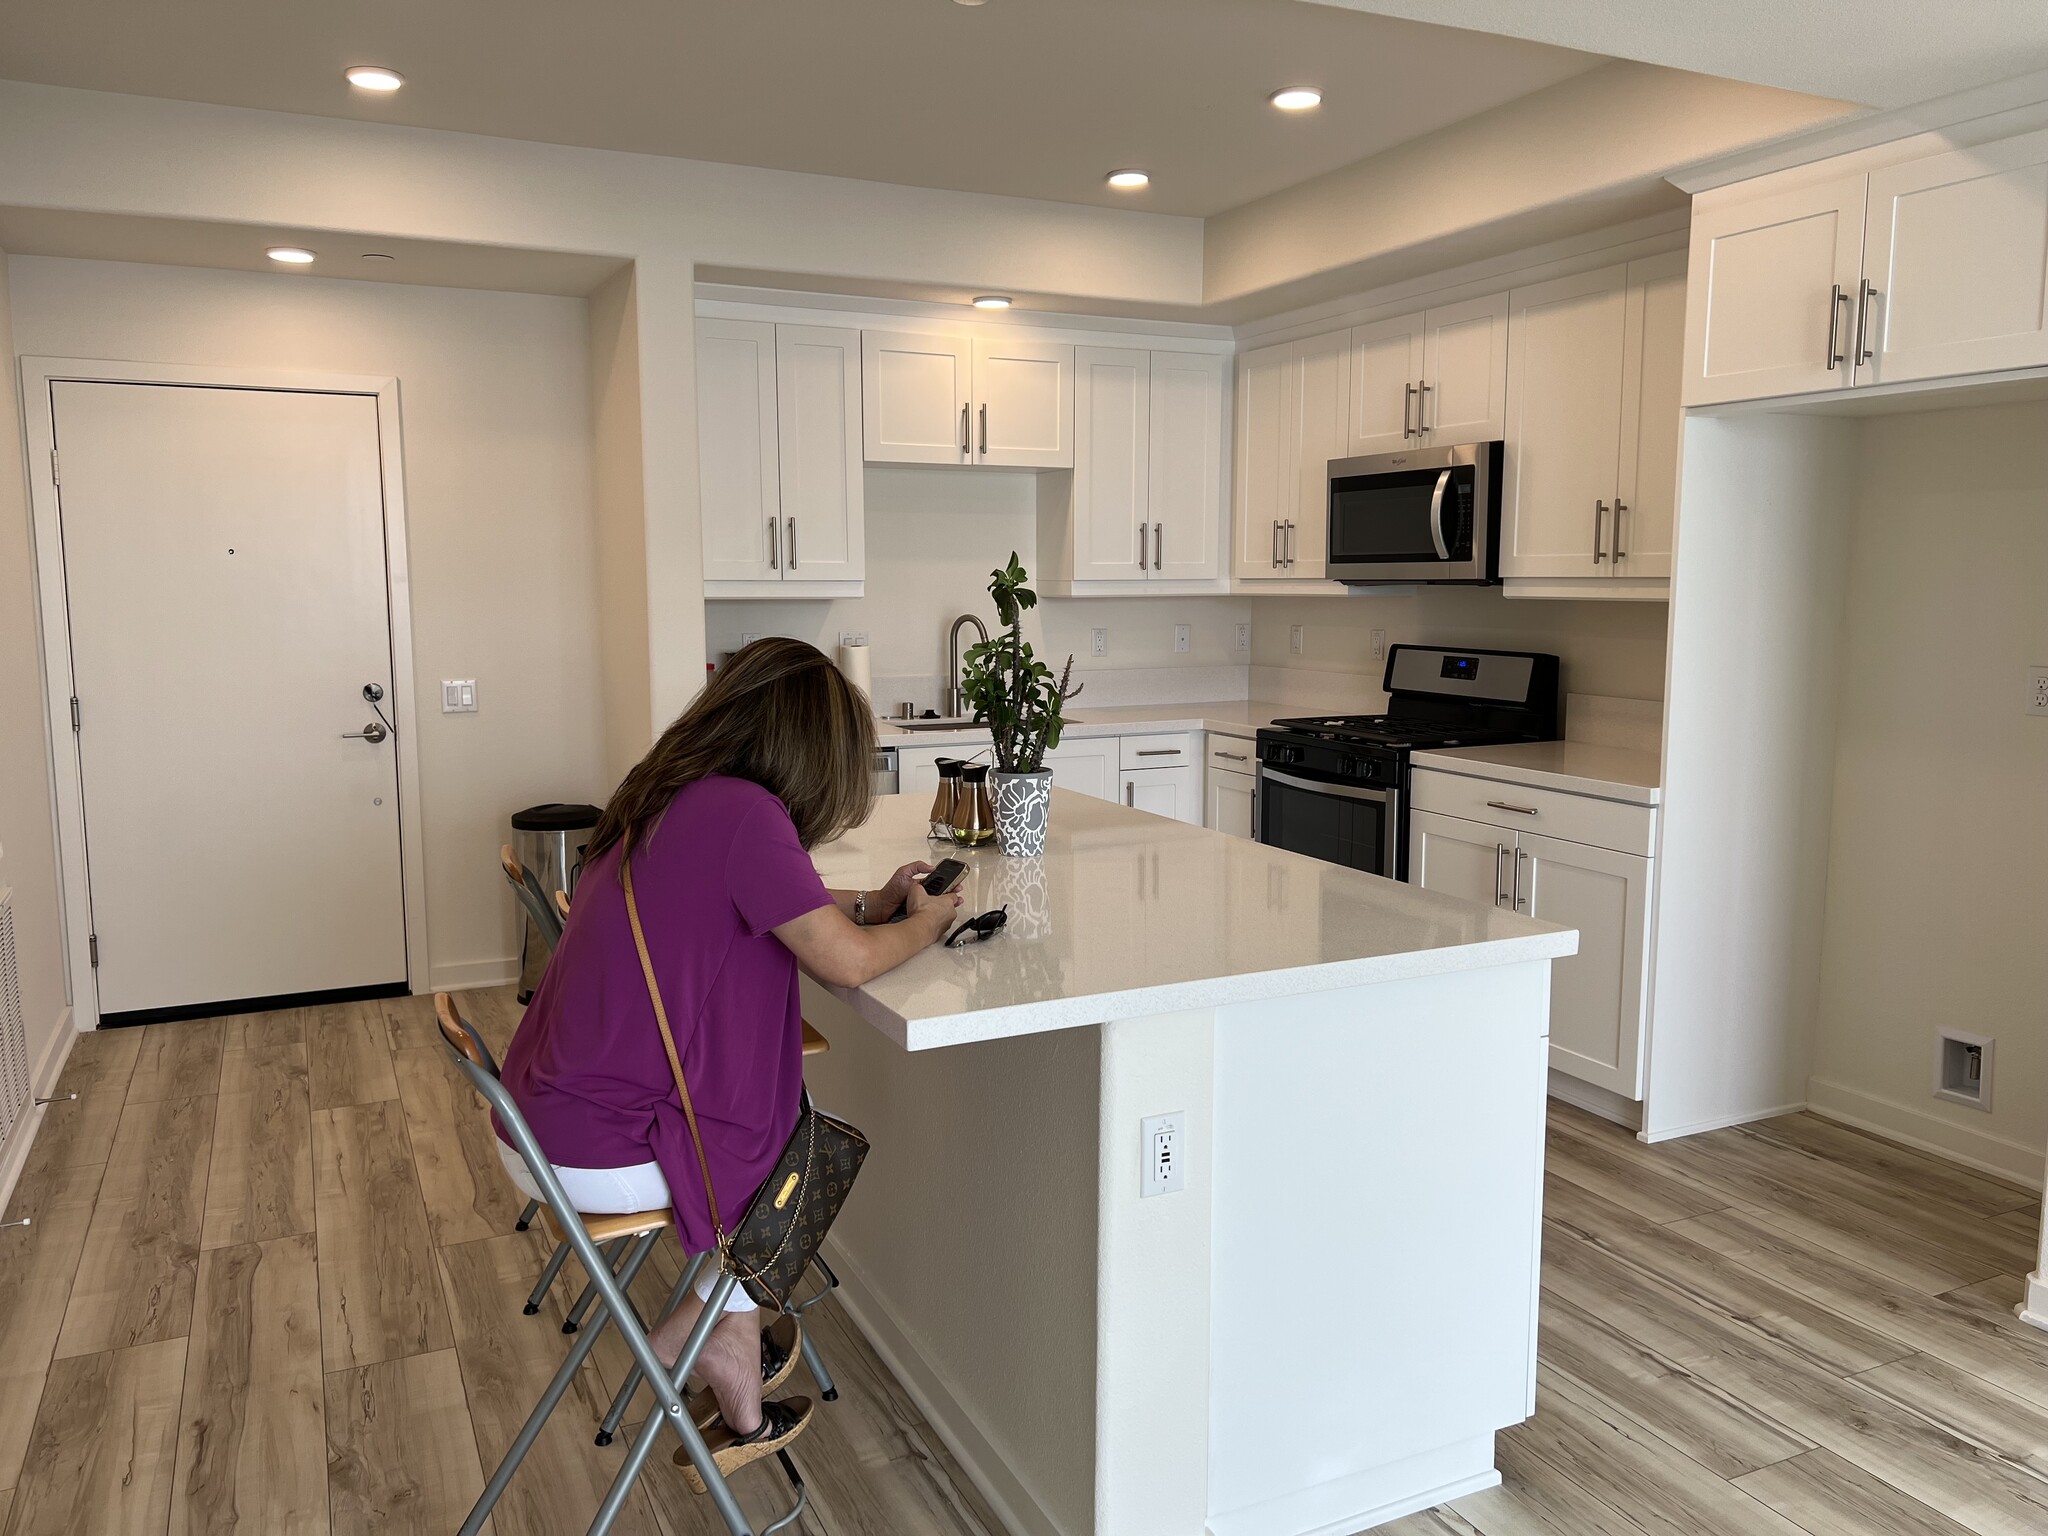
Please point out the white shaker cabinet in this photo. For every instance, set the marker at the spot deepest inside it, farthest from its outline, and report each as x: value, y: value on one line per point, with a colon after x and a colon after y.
x: 1185, y: 482
x: 779, y: 465
x: 1112, y: 463
x: 1175, y: 793
x: 1386, y: 376
x: 1778, y: 282
x: 1652, y: 417
x: 1230, y: 785
x: 1463, y: 393
x: 739, y: 463
x: 1956, y: 264
x: 1322, y: 387
x: 916, y: 395
x: 1023, y: 403
x: 1268, y: 425
x: 1085, y: 764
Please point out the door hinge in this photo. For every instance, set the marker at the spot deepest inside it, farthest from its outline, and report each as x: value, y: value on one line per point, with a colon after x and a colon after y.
x: 74, y: 712
x: 92, y: 945
x: 55, y: 477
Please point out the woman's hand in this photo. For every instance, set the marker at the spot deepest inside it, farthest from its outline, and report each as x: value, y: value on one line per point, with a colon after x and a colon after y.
x: 937, y: 910
x: 896, y: 893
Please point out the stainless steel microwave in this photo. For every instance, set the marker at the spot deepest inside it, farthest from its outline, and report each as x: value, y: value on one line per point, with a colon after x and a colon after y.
x: 1420, y: 515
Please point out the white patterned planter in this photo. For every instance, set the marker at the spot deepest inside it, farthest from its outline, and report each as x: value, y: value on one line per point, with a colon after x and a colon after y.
x: 1023, y: 806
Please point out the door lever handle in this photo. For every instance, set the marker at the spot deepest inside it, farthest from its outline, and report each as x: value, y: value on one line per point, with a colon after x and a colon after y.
x: 373, y: 732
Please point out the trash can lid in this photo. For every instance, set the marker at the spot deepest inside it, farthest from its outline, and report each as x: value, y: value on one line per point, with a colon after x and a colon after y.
x: 555, y: 818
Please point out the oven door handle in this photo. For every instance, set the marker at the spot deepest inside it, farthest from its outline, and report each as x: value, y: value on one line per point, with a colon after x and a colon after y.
x: 1313, y: 786
x: 1436, y: 516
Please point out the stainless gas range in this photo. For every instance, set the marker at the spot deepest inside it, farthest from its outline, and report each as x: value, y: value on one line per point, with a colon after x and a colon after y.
x: 1335, y: 787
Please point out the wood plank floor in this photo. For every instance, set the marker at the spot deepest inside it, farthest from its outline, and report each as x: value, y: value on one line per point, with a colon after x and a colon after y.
x: 272, y: 1286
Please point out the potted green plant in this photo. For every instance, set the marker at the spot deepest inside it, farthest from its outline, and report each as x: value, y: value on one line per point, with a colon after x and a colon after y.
x: 1023, y: 704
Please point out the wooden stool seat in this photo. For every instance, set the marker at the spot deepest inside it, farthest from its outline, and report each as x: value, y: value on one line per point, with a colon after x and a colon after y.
x: 609, y: 1229
x: 815, y: 1044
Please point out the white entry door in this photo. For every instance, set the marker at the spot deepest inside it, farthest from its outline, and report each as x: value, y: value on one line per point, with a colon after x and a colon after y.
x: 225, y: 573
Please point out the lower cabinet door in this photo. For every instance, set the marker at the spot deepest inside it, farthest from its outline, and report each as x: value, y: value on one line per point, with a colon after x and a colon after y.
x: 1230, y: 800
x: 1596, y: 995
x: 1458, y: 857
x: 1170, y: 792
x: 1087, y: 766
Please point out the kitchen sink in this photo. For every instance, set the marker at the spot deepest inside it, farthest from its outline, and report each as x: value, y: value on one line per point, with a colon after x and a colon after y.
x: 946, y: 723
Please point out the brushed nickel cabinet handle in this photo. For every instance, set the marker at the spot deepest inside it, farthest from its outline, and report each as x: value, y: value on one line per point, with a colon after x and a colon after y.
x: 1158, y: 545
x: 1235, y: 757
x: 1519, y: 810
x: 984, y: 431
x: 1287, y: 549
x: 1864, y: 351
x: 966, y: 441
x: 1276, y: 543
x: 792, y: 543
x: 1599, y: 516
x: 1159, y: 752
x: 1422, y: 408
x: 774, y: 545
x: 1500, y: 852
x: 1835, y: 304
x: 1141, y: 544
x: 1407, y: 410
x: 1620, y: 507
x: 1521, y: 899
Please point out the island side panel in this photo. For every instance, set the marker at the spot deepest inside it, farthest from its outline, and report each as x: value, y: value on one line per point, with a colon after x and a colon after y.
x: 967, y: 1250
x: 1378, y: 1176
x: 1153, y: 1326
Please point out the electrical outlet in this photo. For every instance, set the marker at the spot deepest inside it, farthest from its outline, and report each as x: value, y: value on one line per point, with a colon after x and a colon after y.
x: 458, y: 696
x: 2037, y: 691
x: 1294, y: 639
x: 1244, y: 637
x: 1379, y: 644
x: 852, y: 637
x: 1098, y: 642
x: 1180, y: 639
x: 1163, y: 1139
x: 749, y: 636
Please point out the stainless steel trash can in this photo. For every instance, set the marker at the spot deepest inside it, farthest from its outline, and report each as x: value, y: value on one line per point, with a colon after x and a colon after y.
x: 549, y: 840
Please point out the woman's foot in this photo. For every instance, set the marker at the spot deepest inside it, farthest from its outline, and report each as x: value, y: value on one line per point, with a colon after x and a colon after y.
x: 781, y: 1346
x: 781, y: 1422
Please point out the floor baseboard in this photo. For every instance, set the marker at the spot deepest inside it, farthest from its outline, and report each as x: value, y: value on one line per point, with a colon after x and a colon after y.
x: 1916, y: 1127
x: 468, y: 975
x: 42, y: 1081
x: 1608, y: 1105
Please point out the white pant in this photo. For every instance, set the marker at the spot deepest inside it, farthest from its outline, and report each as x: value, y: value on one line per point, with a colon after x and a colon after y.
x: 614, y: 1191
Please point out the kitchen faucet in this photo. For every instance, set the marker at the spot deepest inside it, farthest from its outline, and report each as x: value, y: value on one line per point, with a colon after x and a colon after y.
x: 954, y: 703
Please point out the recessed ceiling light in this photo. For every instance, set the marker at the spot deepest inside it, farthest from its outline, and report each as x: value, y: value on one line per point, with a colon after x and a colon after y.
x: 291, y: 255
x: 991, y: 300
x: 1297, y: 98
x: 374, y: 77
x: 1129, y: 180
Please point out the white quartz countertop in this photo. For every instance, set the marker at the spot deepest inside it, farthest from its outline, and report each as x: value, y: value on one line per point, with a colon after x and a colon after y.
x: 1230, y: 717
x: 1576, y: 767
x: 1129, y: 915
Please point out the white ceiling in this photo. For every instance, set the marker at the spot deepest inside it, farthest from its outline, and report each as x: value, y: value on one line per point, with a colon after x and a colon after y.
x: 1032, y: 98
x: 1882, y: 53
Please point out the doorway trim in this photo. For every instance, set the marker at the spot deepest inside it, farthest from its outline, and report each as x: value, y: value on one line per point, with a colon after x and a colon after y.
x: 53, y: 621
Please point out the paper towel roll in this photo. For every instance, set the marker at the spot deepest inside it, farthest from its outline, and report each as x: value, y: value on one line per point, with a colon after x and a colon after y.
x: 853, y: 661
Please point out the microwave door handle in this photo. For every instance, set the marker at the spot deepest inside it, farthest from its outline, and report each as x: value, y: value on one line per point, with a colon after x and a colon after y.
x: 1436, y: 516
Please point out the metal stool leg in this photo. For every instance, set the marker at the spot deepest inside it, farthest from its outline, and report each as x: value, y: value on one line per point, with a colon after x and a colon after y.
x: 670, y: 1403
x: 616, y: 1414
x: 584, y: 1302
x: 547, y: 1278
x: 526, y: 1216
x: 530, y: 1431
x: 828, y: 1389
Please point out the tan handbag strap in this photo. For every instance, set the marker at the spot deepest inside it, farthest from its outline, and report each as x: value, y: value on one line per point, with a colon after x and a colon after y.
x: 668, y: 1042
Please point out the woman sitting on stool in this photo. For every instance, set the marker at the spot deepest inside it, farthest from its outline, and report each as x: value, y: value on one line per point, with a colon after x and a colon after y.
x: 771, y: 760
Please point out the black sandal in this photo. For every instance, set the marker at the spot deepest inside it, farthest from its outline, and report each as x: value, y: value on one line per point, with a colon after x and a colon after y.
x: 781, y: 1423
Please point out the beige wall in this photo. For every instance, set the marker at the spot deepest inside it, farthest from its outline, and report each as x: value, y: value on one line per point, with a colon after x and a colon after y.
x: 28, y: 855
x: 1612, y: 648
x: 1937, y: 908
x: 495, y: 408
x: 933, y: 537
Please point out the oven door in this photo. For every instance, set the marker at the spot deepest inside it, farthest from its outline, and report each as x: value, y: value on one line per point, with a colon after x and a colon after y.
x: 1338, y: 823
x: 1409, y: 517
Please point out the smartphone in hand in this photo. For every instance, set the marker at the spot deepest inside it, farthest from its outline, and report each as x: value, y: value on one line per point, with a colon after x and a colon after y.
x: 945, y: 878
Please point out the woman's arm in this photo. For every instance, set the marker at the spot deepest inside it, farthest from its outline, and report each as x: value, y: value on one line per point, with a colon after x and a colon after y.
x: 831, y: 948
x: 886, y: 901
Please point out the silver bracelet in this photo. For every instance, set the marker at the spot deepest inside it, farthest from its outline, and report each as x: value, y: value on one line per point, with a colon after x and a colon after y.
x: 860, y: 908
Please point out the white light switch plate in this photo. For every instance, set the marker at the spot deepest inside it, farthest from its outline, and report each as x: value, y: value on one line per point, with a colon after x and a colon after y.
x: 1379, y: 645
x: 458, y: 695
x: 1180, y: 639
x: 1294, y: 639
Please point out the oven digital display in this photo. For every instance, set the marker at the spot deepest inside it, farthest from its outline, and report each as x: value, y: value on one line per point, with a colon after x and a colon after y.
x: 1464, y: 669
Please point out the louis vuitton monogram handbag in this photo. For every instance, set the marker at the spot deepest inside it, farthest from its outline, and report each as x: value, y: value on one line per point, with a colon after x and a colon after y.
x: 797, y: 1203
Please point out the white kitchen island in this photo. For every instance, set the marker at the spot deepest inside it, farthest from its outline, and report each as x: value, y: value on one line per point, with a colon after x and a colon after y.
x: 1326, y: 1325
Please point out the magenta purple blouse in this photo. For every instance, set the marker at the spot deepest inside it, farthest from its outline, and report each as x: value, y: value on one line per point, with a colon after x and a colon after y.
x: 586, y: 1067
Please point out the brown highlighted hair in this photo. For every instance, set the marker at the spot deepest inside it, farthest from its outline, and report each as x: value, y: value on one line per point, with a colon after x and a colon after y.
x: 778, y: 713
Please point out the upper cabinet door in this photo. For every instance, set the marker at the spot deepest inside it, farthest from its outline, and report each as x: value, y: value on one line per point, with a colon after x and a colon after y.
x: 1652, y: 417
x: 1957, y: 256
x: 1187, y: 465
x: 1268, y: 420
x: 1564, y: 425
x: 916, y: 395
x: 1112, y: 465
x: 1023, y: 403
x: 818, y: 388
x: 1322, y: 375
x: 1386, y: 370
x: 738, y: 464
x: 1773, y: 306
x: 1465, y: 372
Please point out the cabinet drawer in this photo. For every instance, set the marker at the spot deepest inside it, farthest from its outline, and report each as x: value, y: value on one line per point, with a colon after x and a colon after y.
x: 1518, y: 808
x: 1232, y: 754
x: 1159, y: 751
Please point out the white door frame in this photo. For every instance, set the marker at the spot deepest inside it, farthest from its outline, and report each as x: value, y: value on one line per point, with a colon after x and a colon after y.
x: 53, y: 622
